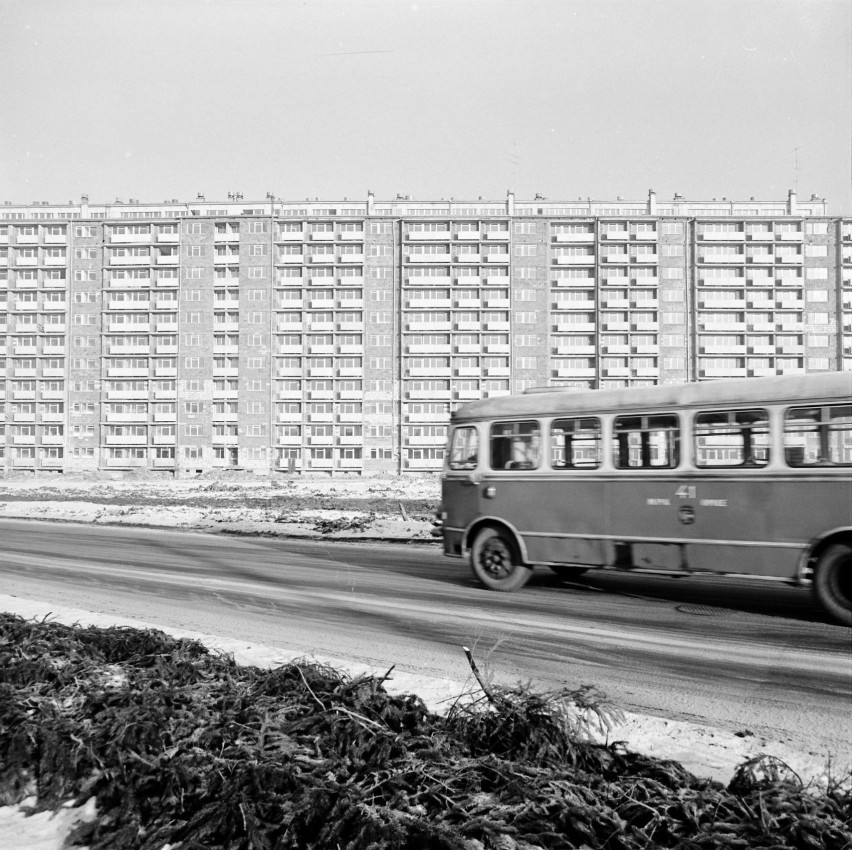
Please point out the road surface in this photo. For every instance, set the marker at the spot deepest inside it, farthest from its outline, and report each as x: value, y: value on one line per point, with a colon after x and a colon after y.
x: 739, y: 656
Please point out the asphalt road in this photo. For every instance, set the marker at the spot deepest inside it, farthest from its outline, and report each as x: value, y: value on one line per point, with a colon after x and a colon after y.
x: 722, y: 652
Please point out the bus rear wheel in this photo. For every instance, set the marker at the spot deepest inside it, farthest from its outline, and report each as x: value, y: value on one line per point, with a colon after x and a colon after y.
x: 833, y: 582
x: 494, y: 560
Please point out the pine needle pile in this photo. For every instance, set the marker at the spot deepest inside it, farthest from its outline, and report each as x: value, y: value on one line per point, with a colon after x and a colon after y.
x: 182, y: 748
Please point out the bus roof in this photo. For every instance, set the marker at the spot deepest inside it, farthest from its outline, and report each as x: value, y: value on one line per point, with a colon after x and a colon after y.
x: 741, y: 391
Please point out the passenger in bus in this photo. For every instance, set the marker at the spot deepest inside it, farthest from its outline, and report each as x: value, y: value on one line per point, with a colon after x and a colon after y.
x: 524, y: 453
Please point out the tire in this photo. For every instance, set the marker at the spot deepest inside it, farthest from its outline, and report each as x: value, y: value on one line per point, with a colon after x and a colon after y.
x: 568, y: 573
x: 833, y: 582
x: 495, y: 562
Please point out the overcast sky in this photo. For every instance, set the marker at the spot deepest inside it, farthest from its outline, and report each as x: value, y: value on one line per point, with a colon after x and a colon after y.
x: 157, y: 99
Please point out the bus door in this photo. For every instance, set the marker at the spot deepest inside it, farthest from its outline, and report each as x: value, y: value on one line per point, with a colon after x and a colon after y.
x: 647, y: 521
x: 461, y: 486
x: 726, y: 506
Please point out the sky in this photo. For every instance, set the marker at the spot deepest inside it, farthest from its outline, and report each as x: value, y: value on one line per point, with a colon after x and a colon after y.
x: 330, y: 99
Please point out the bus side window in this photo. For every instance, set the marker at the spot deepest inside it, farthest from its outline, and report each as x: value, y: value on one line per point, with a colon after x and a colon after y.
x: 515, y: 445
x: 575, y: 443
x: 646, y: 442
x: 464, y: 449
x: 731, y: 438
x: 818, y: 436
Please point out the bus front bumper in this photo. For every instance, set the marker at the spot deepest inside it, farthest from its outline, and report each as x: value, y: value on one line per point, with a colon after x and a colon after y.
x: 453, y: 542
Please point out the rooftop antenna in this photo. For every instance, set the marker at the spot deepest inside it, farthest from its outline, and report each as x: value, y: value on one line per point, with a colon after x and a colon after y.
x: 796, y: 168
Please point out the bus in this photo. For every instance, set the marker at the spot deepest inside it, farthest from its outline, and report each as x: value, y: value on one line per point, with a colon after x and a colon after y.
x: 747, y: 477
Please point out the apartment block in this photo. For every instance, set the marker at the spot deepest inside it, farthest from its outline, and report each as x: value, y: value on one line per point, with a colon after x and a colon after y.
x: 337, y: 337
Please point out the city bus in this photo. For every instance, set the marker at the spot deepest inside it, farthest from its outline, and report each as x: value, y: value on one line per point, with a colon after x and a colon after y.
x: 747, y: 478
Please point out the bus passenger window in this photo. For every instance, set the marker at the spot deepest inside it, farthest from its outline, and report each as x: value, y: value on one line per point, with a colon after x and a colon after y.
x: 515, y: 445
x: 731, y: 438
x: 575, y: 443
x: 464, y: 449
x: 646, y: 442
x: 818, y: 436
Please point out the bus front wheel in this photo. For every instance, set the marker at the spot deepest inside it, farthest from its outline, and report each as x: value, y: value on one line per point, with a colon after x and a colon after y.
x: 833, y: 582
x: 494, y: 560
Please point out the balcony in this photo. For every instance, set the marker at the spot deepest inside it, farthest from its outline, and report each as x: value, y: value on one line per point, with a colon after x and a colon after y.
x: 431, y: 394
x: 420, y: 280
x: 429, y: 258
x: 126, y: 327
x: 121, y: 304
x: 127, y: 417
x: 131, y: 260
x: 130, y: 462
x: 438, y: 349
x: 429, y: 326
x: 711, y: 259
x: 575, y: 372
x: 428, y: 236
x: 125, y: 440
x: 723, y: 372
x: 583, y: 327
x: 126, y: 395
x: 737, y: 236
x: 580, y: 350
x: 574, y: 237
x: 129, y: 238
x: 350, y: 258
x: 721, y: 349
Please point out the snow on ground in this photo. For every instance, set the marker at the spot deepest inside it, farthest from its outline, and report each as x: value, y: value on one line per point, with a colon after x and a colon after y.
x: 238, y: 503
x: 220, y: 503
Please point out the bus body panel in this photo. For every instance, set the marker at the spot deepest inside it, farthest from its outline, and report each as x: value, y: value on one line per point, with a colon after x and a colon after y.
x: 727, y: 526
